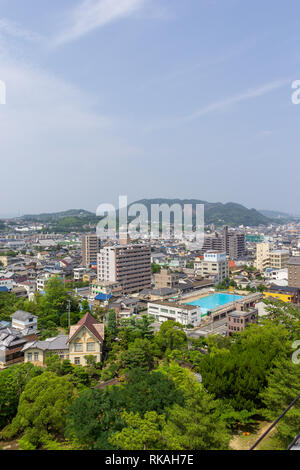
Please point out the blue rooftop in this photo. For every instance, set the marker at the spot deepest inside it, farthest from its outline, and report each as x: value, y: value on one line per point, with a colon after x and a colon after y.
x: 4, y: 289
x: 103, y: 297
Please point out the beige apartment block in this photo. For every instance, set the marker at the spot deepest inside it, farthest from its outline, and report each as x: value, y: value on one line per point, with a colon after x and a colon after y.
x: 279, y: 259
x: 262, y: 261
x: 166, y: 278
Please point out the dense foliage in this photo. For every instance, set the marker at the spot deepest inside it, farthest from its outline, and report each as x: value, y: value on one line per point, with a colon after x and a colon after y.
x: 168, y: 391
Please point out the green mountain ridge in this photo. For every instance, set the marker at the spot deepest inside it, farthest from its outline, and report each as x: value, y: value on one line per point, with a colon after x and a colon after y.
x: 231, y: 213
x: 217, y: 213
x: 279, y: 215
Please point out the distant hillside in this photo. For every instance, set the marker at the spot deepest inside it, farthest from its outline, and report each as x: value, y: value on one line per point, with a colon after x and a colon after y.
x: 278, y: 215
x: 73, y: 220
x: 55, y: 216
x: 216, y: 213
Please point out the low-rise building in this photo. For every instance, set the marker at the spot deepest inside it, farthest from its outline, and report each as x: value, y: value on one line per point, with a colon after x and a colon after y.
x: 238, y: 320
x: 166, y: 278
x: 36, y: 351
x: 22, y: 320
x: 12, y: 341
x: 78, y: 273
x: 181, y: 313
x: 284, y: 293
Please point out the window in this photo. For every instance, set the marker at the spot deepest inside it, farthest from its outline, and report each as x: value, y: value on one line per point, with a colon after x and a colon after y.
x: 77, y: 361
x: 29, y: 356
x: 78, y: 347
x: 90, y: 346
x: 36, y: 356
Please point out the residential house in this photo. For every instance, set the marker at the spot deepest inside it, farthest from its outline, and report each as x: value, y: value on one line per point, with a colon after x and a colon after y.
x: 36, y: 351
x: 86, y: 339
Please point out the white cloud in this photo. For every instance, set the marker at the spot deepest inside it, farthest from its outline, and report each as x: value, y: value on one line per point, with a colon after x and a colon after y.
x: 13, y: 29
x: 93, y: 14
x: 238, y: 98
x: 219, y: 105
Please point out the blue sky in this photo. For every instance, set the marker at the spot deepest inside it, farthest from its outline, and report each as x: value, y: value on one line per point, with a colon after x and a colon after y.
x: 148, y: 98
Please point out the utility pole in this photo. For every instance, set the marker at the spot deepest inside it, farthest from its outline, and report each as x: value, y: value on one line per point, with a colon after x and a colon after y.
x: 69, y: 308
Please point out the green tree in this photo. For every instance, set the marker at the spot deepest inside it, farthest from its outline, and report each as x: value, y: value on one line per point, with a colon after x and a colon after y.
x: 111, y: 323
x: 284, y: 313
x: 53, y: 363
x: 146, y: 391
x: 155, y: 268
x: 12, y: 383
x: 171, y: 336
x: 239, y: 374
x: 197, y: 423
x: 141, y: 353
x: 140, y: 433
x: 85, y: 306
x: 93, y: 418
x: 196, y: 426
x: 283, y: 387
x: 42, y: 409
x: 8, y: 305
x: 54, y: 303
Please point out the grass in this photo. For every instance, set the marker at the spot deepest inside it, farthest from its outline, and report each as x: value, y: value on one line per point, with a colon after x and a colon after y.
x: 242, y: 442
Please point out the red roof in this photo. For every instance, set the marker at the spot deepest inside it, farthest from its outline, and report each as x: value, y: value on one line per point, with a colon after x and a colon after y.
x: 97, y: 329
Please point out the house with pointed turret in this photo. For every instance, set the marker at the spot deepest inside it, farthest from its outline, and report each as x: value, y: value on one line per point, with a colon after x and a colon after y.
x: 85, y: 339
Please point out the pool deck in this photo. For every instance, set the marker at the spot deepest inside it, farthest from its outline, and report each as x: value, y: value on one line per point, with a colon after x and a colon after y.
x: 198, y: 296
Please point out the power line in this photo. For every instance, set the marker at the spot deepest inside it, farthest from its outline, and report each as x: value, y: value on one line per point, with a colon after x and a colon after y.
x: 275, y: 422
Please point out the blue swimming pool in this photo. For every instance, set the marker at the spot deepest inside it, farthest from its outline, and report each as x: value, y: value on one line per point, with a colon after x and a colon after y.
x: 212, y: 301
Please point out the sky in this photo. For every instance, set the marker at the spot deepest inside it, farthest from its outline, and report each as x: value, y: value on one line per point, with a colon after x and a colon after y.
x: 148, y: 98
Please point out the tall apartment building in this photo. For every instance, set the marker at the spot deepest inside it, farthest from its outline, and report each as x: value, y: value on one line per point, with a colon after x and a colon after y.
x: 279, y: 259
x: 294, y: 272
x: 214, y: 264
x: 129, y: 265
x: 262, y: 261
x: 236, y: 245
x: 233, y: 243
x: 91, y: 246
